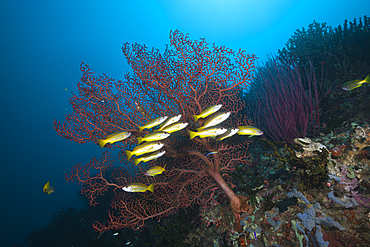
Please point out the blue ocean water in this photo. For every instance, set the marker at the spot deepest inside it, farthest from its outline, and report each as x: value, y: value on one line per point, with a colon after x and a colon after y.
x: 42, y: 44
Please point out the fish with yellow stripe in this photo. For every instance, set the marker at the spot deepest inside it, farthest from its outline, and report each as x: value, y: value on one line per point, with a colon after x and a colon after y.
x: 209, y: 132
x: 153, y: 136
x: 169, y: 121
x: 227, y: 134
x: 155, y: 170
x: 149, y: 157
x: 115, y: 137
x: 349, y: 85
x: 138, y: 187
x: 210, y: 110
x: 155, y: 122
x: 249, y: 130
x: 175, y: 127
x: 144, y: 148
x: 215, y: 120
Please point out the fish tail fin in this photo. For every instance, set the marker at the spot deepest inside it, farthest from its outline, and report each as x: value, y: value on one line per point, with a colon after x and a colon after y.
x: 137, y: 161
x: 367, y: 79
x: 101, y: 143
x: 141, y: 128
x: 164, y: 168
x: 151, y: 188
x: 129, y: 154
x: 192, y: 134
x: 139, y: 140
x: 196, y: 117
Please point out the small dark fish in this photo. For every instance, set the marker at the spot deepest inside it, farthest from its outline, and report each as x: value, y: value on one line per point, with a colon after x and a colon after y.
x: 214, y: 152
x: 100, y: 234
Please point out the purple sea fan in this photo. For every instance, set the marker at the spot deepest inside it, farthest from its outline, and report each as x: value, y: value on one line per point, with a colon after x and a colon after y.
x: 284, y: 99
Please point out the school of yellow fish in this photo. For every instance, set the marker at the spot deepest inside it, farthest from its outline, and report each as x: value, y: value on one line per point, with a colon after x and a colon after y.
x: 149, y: 146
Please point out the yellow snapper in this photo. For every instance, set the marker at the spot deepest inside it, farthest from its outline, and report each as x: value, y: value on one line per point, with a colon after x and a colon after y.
x: 155, y: 170
x: 249, y: 130
x: 175, y: 127
x: 227, y: 134
x: 115, y: 137
x: 149, y: 157
x: 169, y: 121
x: 153, y: 123
x: 348, y: 86
x: 208, y: 132
x: 144, y: 148
x: 215, y: 120
x: 138, y: 187
x: 154, y: 136
x: 48, y: 189
x: 210, y: 110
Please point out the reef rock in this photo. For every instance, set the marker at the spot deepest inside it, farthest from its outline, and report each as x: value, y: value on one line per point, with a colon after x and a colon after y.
x: 309, y: 147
